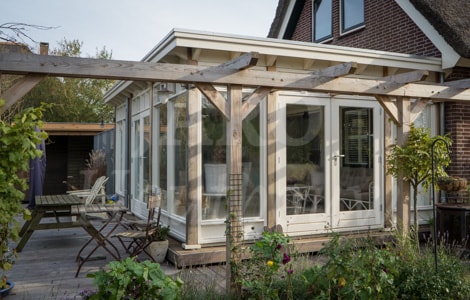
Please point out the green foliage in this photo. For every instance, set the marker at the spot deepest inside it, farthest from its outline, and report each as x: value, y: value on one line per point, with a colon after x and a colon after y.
x: 129, y: 279
x: 18, y: 142
x: 269, y: 264
x: 412, y: 162
x: 360, y: 270
x: 74, y: 99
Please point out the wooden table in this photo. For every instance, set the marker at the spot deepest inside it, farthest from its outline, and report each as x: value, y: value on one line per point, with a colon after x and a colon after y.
x: 49, y: 206
x: 113, y: 213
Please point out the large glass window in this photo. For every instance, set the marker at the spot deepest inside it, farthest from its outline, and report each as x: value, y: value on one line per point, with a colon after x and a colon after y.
x: 322, y: 20
x: 179, y: 152
x: 352, y: 14
x: 120, y: 157
x: 162, y: 155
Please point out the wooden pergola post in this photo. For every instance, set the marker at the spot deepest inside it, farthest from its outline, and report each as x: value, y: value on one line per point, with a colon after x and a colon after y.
x: 403, y: 187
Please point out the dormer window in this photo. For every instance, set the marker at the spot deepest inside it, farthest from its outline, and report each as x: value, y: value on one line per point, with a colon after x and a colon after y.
x: 322, y: 20
x: 352, y: 15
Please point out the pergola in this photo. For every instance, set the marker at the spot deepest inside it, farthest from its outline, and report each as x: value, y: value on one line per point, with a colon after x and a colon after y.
x: 341, y: 71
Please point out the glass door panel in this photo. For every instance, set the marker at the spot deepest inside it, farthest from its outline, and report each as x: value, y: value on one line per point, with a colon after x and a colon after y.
x: 356, y: 160
x: 305, y: 176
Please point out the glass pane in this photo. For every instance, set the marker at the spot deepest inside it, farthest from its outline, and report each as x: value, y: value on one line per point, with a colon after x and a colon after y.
x: 120, y: 157
x: 353, y: 14
x: 180, y: 148
x: 305, y: 177
x: 322, y: 18
x: 163, y: 155
x: 146, y: 159
x: 214, y: 144
x: 136, y: 161
x: 251, y: 164
x: 356, y: 167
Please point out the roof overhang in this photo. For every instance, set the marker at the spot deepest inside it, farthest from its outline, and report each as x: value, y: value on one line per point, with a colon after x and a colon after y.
x: 75, y: 129
x: 212, y: 49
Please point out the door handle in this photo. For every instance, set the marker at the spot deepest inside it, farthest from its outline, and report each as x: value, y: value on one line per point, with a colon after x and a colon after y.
x: 335, y: 157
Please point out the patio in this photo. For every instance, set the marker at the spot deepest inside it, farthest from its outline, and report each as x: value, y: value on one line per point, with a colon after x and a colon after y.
x: 46, y: 267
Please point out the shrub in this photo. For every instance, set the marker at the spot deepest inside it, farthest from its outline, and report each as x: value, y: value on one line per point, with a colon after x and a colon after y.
x: 129, y: 279
x: 358, y: 269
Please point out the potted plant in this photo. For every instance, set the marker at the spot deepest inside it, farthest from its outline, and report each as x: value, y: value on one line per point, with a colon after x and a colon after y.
x: 412, y: 161
x: 159, y: 245
x: 129, y: 279
x: 18, y: 140
x: 451, y: 183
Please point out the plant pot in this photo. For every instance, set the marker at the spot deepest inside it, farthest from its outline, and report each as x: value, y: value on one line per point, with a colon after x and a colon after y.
x: 216, y: 178
x: 158, y: 250
x: 6, y: 291
x: 451, y: 184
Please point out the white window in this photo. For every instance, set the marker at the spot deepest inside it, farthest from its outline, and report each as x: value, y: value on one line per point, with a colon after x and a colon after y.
x: 352, y: 14
x: 322, y: 20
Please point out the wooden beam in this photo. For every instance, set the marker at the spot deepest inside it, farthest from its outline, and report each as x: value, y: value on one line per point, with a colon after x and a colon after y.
x: 215, y: 97
x: 417, y: 108
x: 194, y: 157
x: 403, y: 187
x: 408, y: 77
x: 337, y: 70
x: 461, y: 84
x: 258, y: 95
x: 14, y: 63
x: 19, y: 90
x: 242, y: 62
x: 390, y: 108
x: 271, y: 60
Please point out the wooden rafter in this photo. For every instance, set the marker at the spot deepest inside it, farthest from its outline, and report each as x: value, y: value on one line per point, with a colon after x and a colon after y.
x: 146, y: 71
x: 461, y: 84
x: 417, y: 108
x: 19, y: 89
x: 242, y: 62
x: 215, y: 97
x: 337, y: 70
x: 390, y: 107
x: 407, y: 77
x: 256, y: 97
x: 389, y: 104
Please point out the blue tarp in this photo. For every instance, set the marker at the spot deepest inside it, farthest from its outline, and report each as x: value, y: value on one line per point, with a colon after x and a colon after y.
x: 37, y: 173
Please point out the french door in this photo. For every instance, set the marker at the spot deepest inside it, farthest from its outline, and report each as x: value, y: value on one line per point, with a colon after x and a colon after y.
x: 329, y: 164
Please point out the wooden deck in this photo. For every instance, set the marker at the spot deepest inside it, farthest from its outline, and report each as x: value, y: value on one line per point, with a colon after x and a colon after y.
x: 46, y: 267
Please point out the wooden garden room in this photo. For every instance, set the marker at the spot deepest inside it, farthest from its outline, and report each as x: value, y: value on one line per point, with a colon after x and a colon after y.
x: 298, y: 131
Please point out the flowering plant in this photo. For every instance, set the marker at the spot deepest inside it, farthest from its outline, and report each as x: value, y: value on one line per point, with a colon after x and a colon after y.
x: 270, y: 261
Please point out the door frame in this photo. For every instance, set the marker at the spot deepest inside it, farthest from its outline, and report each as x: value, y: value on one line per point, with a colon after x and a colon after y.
x: 332, y: 218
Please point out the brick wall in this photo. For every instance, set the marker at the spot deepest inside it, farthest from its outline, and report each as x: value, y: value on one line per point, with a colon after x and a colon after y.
x: 387, y: 28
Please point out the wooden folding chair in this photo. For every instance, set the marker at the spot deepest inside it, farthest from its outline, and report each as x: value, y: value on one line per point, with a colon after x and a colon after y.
x: 138, y: 234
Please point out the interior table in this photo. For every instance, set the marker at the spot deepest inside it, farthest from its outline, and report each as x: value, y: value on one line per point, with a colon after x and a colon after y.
x: 114, y: 214
x: 49, y: 206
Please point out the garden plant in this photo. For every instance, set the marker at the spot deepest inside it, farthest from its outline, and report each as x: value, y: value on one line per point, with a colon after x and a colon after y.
x: 18, y: 142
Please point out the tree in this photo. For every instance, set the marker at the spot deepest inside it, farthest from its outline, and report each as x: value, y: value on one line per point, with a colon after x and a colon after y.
x: 74, y: 99
x: 412, y: 161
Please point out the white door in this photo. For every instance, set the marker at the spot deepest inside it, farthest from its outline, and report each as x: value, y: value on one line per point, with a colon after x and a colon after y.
x: 329, y: 162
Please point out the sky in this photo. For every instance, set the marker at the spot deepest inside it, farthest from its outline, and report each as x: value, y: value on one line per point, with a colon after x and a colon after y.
x: 131, y: 28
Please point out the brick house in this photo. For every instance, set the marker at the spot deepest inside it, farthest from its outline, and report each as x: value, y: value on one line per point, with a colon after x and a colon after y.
x: 419, y: 27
